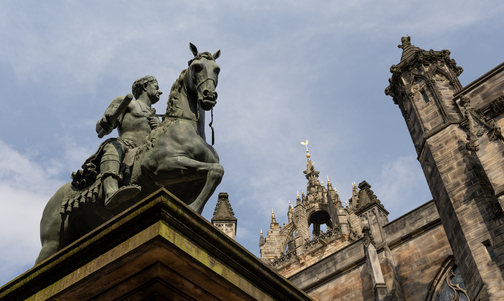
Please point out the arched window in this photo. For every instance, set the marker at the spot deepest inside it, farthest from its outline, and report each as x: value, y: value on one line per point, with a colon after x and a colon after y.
x: 448, y: 284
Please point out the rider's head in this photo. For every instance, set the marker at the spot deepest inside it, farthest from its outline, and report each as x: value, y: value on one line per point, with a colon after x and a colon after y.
x: 140, y: 85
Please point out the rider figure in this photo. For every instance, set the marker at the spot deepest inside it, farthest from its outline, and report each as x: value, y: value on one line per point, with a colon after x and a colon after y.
x: 133, y: 126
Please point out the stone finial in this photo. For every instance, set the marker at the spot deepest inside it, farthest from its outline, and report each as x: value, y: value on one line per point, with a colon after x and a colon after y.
x: 273, y: 218
x: 405, y: 41
x: 298, y: 200
x: 262, y: 241
x: 290, y: 213
x: 329, y: 185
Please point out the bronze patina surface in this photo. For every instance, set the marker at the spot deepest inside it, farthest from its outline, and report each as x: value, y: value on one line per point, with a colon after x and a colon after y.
x: 149, y: 154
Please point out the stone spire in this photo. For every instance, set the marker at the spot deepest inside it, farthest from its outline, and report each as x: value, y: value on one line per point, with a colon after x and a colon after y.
x: 262, y: 241
x: 352, y: 202
x: 367, y: 198
x: 314, y: 190
x: 329, y: 185
x: 371, y: 211
x: 290, y: 213
x: 223, y: 217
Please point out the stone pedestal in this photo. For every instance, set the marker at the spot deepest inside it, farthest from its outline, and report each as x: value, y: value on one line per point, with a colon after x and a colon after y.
x: 158, y: 249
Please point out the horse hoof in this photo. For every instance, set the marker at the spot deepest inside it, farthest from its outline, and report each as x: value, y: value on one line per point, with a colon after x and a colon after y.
x: 122, y: 195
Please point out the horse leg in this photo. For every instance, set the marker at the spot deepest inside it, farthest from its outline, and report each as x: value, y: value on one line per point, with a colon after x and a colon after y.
x: 215, y: 172
x: 51, y: 225
x: 192, y: 170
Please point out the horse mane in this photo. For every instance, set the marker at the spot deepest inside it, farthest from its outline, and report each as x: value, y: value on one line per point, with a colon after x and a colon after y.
x: 173, y: 107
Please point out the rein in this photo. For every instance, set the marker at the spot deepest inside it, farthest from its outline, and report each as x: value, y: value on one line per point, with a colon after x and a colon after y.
x: 207, y: 79
x: 211, y: 114
x: 176, y: 117
x: 190, y: 119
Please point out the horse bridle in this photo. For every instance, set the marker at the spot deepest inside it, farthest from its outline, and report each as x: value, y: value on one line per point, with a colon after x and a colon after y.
x: 182, y: 117
x: 207, y: 79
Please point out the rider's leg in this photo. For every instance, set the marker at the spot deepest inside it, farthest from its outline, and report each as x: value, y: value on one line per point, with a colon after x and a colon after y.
x: 109, y: 167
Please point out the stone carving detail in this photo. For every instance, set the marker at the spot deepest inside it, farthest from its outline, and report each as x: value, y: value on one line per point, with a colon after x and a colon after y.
x: 473, y: 144
x: 330, y: 235
x: 498, y: 104
x: 472, y: 115
x: 284, y: 258
x: 425, y: 58
x: 367, y: 237
x: 495, y: 131
x: 416, y: 61
x: 352, y: 236
x: 405, y: 41
x: 439, y: 78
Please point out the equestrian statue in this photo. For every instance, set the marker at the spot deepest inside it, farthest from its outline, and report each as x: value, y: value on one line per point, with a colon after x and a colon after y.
x: 148, y: 154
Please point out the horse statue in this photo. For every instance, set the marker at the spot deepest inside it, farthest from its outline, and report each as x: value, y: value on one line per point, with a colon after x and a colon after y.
x: 174, y: 155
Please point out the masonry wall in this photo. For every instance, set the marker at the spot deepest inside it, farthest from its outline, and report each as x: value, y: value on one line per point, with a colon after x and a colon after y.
x: 477, y: 205
x: 354, y: 285
x: 316, y: 254
x: 419, y: 260
x: 413, y: 253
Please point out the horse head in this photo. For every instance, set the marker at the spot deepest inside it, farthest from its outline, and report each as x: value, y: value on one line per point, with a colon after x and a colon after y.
x: 202, y: 77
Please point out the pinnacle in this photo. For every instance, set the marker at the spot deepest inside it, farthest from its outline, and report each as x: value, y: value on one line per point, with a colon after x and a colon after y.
x: 223, y: 210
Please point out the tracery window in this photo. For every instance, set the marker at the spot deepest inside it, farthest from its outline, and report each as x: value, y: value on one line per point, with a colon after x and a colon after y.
x: 448, y: 284
x: 454, y: 288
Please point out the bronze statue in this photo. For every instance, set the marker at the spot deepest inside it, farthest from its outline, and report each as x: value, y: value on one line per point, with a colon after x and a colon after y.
x: 134, y: 122
x: 147, y: 155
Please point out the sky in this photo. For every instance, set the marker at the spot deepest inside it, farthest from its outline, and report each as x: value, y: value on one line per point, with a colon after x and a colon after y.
x: 291, y: 71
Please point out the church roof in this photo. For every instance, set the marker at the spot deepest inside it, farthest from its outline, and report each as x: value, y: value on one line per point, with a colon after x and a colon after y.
x: 223, y: 210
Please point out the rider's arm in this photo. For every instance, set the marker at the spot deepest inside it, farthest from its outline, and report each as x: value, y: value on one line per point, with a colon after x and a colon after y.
x: 104, y: 122
x: 153, y: 120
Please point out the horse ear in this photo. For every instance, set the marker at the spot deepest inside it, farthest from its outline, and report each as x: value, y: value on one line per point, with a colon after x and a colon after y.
x: 216, y: 54
x: 193, y: 48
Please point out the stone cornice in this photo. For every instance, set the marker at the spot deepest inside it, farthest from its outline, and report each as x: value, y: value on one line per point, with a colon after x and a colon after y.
x: 172, y: 218
x: 479, y: 81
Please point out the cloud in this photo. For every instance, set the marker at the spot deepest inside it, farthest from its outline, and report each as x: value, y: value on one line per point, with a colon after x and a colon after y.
x: 291, y: 71
x: 401, y: 186
x: 25, y: 187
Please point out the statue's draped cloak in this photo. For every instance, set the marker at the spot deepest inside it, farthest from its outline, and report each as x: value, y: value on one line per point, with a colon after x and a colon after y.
x: 86, y: 182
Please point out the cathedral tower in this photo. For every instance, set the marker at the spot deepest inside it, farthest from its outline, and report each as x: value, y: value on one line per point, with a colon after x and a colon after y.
x: 457, y: 137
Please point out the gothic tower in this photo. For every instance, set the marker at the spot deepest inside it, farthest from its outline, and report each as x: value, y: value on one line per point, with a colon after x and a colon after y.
x: 457, y: 137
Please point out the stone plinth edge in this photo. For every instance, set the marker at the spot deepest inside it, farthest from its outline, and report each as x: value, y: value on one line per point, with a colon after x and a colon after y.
x: 163, y: 226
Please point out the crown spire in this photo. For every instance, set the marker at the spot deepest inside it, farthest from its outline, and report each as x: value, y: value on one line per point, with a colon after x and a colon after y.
x: 307, y: 152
